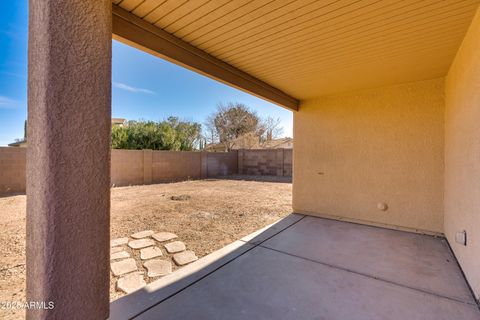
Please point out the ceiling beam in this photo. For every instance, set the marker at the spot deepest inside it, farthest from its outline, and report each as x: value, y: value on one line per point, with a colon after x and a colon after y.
x: 136, y: 32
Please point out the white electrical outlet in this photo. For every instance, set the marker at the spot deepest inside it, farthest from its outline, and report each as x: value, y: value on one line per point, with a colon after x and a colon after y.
x: 461, y: 237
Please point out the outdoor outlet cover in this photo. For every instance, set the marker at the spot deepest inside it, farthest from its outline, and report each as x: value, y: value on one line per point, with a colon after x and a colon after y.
x: 461, y: 237
x: 382, y: 206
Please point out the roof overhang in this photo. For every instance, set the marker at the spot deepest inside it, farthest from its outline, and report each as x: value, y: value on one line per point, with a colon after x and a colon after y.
x: 136, y: 32
x: 286, y: 51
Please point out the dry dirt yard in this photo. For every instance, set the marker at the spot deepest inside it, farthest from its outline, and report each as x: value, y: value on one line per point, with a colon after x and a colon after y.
x: 216, y: 213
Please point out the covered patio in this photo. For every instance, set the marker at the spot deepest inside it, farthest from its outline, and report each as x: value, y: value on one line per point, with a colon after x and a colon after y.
x: 306, y: 267
x: 386, y: 165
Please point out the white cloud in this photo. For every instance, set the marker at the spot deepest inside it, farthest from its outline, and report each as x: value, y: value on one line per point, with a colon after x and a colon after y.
x: 7, y: 103
x: 126, y: 87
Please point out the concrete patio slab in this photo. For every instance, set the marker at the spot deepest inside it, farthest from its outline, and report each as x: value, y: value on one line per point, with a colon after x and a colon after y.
x: 272, y: 229
x: 263, y: 277
x: 266, y: 284
x: 133, y: 304
x: 412, y: 260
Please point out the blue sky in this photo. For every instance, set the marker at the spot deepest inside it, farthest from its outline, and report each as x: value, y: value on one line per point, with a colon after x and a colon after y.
x: 144, y: 86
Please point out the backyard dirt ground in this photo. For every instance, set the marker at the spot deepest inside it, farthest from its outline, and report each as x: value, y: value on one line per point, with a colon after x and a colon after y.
x: 216, y: 213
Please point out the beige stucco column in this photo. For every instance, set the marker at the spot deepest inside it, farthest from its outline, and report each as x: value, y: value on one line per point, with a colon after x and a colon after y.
x: 68, y: 159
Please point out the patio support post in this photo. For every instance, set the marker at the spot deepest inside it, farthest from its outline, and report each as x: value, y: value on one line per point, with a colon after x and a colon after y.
x: 68, y: 158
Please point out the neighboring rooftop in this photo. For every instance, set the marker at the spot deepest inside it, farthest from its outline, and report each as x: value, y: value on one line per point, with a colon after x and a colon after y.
x: 19, y: 143
x: 118, y: 121
x: 249, y: 142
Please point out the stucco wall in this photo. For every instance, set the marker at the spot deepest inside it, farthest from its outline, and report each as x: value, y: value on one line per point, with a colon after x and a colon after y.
x: 386, y: 145
x: 462, y: 154
x: 68, y: 158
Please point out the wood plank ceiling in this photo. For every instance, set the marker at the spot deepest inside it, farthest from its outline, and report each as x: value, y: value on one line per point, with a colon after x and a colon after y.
x: 310, y: 48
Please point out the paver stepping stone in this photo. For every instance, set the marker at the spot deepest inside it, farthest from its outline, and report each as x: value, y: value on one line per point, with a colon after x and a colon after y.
x: 150, y: 252
x: 118, y: 242
x: 164, y: 236
x: 142, y: 243
x: 175, y: 246
x: 185, y: 257
x: 158, y: 267
x: 142, y: 234
x: 119, y: 255
x: 116, y: 249
x: 123, y: 266
x: 131, y: 282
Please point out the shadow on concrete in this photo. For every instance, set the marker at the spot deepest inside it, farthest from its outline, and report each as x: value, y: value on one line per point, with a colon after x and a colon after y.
x: 139, y: 302
x: 305, y: 267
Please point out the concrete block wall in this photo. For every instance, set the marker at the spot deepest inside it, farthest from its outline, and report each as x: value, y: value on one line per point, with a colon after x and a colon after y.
x: 275, y: 162
x: 221, y: 163
x: 127, y: 167
x: 137, y: 167
x: 287, y: 162
x: 169, y: 166
x: 12, y: 169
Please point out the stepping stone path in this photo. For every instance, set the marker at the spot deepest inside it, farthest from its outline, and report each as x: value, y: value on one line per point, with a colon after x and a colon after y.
x: 131, y: 282
x: 118, y: 242
x: 158, y: 267
x: 164, y: 236
x: 143, y: 249
x: 124, y: 266
x: 120, y: 255
x: 176, y: 246
x: 150, y: 252
x: 185, y: 257
x: 115, y: 250
x: 142, y: 243
x: 142, y: 234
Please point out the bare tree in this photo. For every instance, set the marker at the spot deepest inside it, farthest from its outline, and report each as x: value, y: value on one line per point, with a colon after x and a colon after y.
x: 235, y: 123
x: 210, y: 133
x: 271, y: 129
x: 230, y: 122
